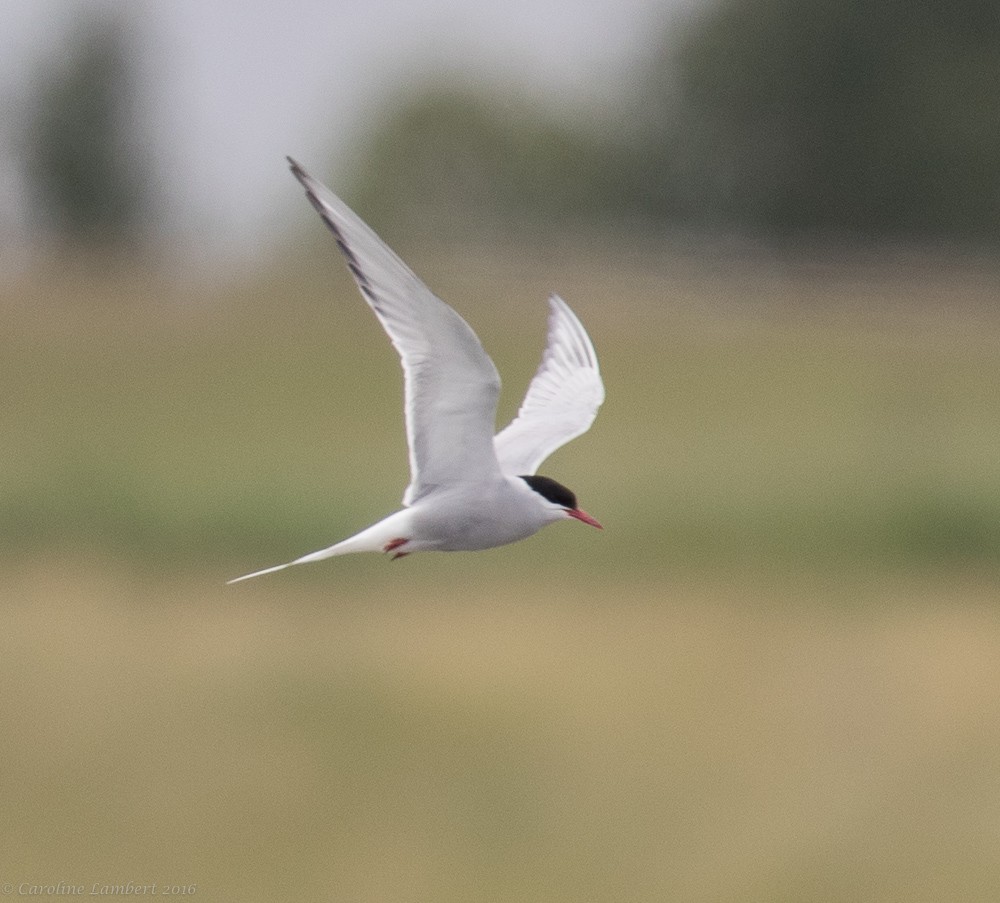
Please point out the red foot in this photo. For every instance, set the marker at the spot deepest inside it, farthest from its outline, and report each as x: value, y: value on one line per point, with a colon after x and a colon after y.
x: 393, y: 544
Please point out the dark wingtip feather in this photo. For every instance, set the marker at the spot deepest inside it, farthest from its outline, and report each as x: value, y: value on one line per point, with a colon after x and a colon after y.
x: 352, y: 261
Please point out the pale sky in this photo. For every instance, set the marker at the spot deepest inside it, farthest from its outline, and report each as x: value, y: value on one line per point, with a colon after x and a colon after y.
x: 232, y: 86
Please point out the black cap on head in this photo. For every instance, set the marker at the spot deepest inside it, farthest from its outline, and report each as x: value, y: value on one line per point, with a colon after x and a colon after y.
x: 552, y: 491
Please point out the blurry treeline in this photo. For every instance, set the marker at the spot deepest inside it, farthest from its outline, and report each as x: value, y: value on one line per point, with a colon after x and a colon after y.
x: 86, y: 153
x: 833, y: 116
x: 829, y: 118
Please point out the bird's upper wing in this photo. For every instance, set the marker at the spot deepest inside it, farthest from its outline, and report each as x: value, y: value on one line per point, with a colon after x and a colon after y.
x: 451, y: 385
x: 562, y: 400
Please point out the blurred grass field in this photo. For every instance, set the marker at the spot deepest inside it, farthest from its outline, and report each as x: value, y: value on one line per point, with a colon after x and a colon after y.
x: 774, y: 676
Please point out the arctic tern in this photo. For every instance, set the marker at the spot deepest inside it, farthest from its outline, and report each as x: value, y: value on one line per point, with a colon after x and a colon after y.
x: 469, y: 490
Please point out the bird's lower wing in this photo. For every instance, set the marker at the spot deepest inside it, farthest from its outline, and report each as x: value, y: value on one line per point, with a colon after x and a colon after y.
x: 562, y: 399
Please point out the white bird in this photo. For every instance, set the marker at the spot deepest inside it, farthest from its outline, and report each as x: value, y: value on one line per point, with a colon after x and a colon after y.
x: 469, y: 489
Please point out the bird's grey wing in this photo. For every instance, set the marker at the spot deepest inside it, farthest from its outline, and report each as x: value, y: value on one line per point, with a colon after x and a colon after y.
x: 451, y: 385
x: 562, y: 400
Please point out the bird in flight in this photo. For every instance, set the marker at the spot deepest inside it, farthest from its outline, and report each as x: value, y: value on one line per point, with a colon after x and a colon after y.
x: 469, y: 490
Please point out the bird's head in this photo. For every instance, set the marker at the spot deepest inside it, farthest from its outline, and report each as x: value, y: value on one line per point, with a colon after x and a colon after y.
x: 558, y: 499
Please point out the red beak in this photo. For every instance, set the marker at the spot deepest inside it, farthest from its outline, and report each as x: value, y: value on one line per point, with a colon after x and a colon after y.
x: 582, y: 515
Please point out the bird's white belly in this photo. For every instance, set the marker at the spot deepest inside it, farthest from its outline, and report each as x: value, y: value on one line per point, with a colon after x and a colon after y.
x: 453, y: 524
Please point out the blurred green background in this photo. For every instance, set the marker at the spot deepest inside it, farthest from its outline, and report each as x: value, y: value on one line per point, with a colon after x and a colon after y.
x: 774, y: 676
